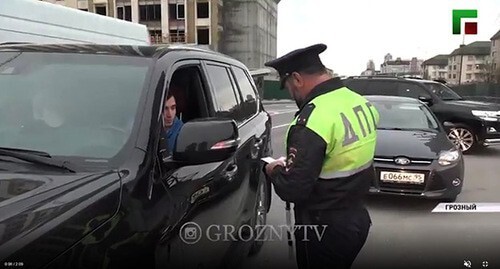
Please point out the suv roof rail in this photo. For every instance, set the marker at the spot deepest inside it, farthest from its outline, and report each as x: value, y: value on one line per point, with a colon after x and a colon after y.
x: 412, y: 77
x: 375, y: 76
x: 14, y: 43
x: 440, y: 81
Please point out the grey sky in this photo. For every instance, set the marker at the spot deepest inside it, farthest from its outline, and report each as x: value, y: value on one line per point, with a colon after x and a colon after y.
x: 358, y: 30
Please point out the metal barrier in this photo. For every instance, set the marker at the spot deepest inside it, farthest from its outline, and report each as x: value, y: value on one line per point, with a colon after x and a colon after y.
x: 491, y: 99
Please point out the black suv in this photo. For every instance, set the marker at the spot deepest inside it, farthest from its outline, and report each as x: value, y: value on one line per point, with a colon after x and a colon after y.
x: 84, y: 178
x: 469, y: 124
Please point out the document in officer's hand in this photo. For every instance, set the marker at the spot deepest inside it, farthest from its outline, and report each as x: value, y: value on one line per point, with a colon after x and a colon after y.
x: 271, y: 159
x: 268, y: 159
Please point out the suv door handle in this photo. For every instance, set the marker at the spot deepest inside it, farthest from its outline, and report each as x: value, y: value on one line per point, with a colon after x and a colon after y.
x: 231, y: 171
x: 258, y: 142
x: 254, y: 152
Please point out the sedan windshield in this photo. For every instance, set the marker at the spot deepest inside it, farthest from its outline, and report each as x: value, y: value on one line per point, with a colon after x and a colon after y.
x: 69, y: 104
x: 443, y: 92
x: 405, y: 116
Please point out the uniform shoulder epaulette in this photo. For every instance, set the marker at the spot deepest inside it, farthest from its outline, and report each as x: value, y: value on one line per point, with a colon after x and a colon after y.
x: 305, y: 113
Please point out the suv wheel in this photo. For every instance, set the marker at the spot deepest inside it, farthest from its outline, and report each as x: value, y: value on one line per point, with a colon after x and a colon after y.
x: 260, y: 215
x: 463, y: 137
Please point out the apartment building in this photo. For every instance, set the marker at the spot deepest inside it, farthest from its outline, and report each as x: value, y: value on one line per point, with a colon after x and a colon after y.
x: 169, y: 21
x: 250, y: 31
x: 245, y: 30
x: 401, y: 67
x: 495, y: 56
x: 370, y: 69
x: 436, y: 67
x: 469, y: 63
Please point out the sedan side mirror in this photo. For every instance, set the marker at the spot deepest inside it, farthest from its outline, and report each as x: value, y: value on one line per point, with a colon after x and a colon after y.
x: 206, y: 140
x: 426, y: 99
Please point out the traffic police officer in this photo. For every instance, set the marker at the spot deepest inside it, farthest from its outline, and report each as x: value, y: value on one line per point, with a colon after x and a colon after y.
x: 330, y: 147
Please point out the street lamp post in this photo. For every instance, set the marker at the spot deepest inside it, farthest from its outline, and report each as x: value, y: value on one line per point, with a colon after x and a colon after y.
x: 460, y: 72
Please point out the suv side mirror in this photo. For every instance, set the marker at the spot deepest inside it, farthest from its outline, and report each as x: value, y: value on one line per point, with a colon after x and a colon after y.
x: 426, y: 99
x: 205, y: 141
x: 448, y: 124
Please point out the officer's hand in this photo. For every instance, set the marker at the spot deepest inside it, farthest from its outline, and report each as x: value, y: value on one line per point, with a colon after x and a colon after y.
x: 270, y: 167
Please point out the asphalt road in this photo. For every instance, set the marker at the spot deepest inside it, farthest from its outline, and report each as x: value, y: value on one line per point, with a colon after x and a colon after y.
x: 405, y: 233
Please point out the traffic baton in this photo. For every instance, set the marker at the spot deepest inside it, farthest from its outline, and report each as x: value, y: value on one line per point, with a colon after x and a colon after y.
x: 288, y: 233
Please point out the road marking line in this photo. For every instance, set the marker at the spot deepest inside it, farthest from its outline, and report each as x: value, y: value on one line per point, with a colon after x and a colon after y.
x: 282, y: 125
x: 272, y: 113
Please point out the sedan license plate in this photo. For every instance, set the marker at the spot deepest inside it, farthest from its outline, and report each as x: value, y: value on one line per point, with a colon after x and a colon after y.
x: 395, y: 177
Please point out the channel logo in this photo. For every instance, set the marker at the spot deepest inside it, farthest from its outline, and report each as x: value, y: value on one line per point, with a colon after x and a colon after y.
x: 190, y: 233
x: 470, y: 27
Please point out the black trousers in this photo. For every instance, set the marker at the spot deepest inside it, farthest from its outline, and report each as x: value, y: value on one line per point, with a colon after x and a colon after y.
x: 335, y: 242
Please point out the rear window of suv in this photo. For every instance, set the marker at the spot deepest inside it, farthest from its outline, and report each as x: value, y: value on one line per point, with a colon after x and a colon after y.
x: 373, y: 87
x: 443, y: 92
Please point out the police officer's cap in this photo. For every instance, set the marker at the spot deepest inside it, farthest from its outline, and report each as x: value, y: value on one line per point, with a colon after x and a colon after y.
x: 297, y: 61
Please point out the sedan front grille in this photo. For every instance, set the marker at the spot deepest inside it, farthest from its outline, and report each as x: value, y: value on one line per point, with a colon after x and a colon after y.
x: 413, y: 161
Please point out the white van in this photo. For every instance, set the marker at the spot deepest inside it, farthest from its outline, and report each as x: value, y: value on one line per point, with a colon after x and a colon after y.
x: 45, y: 23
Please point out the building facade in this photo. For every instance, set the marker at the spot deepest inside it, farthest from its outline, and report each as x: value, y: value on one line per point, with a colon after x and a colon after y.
x: 436, y: 67
x: 401, y: 67
x: 370, y: 65
x: 168, y: 21
x: 250, y: 31
x: 495, y: 56
x: 229, y: 26
x: 368, y: 73
x: 370, y: 69
x: 469, y: 63
x: 387, y: 57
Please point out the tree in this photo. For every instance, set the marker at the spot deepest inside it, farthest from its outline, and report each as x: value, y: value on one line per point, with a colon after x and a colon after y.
x: 487, y: 73
x: 496, y: 75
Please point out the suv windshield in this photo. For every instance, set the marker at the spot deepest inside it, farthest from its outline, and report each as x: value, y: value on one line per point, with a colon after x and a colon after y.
x: 443, y: 92
x: 405, y: 116
x: 66, y: 104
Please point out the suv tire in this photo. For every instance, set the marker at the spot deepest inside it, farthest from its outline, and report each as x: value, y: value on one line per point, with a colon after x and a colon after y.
x: 463, y: 137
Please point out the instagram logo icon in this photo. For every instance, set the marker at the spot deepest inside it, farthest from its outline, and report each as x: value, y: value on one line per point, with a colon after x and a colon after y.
x: 190, y: 233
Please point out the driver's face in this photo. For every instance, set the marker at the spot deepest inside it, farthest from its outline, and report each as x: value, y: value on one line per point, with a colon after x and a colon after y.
x: 169, y: 111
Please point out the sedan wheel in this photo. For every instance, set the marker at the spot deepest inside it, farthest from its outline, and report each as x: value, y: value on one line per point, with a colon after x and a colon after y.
x: 462, y: 138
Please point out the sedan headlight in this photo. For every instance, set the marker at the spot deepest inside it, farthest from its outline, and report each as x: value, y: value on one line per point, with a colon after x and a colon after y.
x: 486, y: 115
x: 449, y: 157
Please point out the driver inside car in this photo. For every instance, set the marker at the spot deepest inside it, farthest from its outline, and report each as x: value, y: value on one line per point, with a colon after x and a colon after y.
x: 171, y: 122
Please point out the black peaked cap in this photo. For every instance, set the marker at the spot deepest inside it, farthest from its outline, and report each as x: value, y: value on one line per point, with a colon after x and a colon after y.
x: 297, y: 60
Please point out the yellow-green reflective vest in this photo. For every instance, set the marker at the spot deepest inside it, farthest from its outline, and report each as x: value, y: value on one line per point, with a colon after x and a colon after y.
x: 347, y: 123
